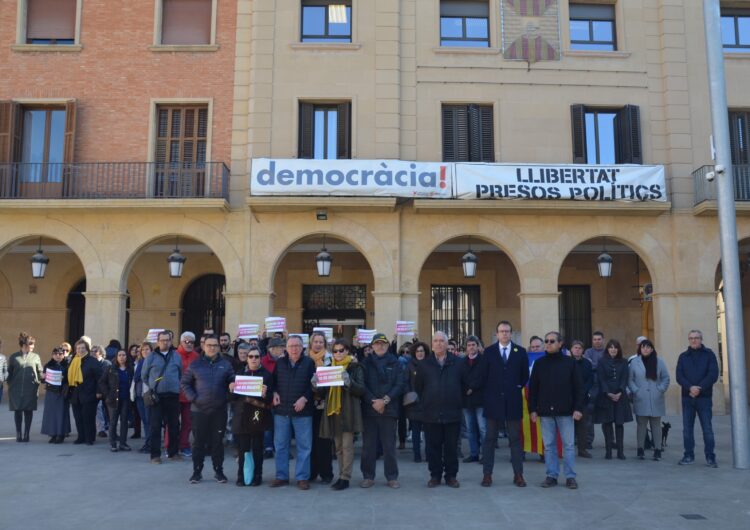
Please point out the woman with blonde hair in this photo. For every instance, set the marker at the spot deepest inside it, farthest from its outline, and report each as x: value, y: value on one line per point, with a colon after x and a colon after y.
x: 83, y: 377
x: 25, y: 374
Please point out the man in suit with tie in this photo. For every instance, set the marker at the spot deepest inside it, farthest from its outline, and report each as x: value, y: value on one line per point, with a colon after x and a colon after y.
x: 504, y: 373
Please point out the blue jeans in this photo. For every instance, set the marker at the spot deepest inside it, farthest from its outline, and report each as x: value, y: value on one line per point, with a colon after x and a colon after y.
x: 476, y: 427
x: 144, y: 412
x: 282, y: 437
x: 566, y: 426
x: 702, y: 407
x: 416, y: 434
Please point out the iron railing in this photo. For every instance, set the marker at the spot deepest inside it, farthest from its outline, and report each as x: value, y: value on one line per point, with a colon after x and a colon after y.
x: 114, y: 180
x: 706, y: 191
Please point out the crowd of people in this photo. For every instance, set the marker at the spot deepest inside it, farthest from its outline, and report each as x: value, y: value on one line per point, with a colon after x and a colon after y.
x: 544, y: 400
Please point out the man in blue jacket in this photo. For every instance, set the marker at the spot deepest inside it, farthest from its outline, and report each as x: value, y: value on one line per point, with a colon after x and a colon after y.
x: 205, y: 384
x: 505, y: 369
x: 697, y: 371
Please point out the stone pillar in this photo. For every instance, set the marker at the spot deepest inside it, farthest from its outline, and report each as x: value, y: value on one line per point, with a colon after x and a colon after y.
x: 387, y: 311
x: 540, y: 313
x: 256, y: 306
x: 105, y: 316
x: 410, y: 309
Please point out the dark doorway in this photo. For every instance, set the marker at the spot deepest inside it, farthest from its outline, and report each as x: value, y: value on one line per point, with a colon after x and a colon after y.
x: 342, y: 307
x: 76, y: 306
x: 575, y: 313
x: 456, y: 310
x: 203, y: 304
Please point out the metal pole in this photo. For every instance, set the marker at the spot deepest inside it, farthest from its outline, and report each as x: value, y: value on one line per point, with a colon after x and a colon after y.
x: 728, y: 227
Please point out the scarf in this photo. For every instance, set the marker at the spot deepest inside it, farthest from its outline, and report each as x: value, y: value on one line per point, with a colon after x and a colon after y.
x: 650, y: 364
x: 333, y: 406
x: 319, y: 358
x: 75, y: 375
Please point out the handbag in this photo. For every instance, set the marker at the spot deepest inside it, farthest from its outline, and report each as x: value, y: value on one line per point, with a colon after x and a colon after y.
x: 150, y: 397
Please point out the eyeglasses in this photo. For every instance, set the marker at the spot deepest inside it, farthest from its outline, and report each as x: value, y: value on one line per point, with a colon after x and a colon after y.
x: 339, y: 350
x: 57, y: 353
x: 550, y: 341
x: 253, y: 356
x: 189, y: 341
x: 210, y: 345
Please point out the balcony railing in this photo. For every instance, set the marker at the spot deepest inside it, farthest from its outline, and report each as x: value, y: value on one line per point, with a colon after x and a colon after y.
x: 114, y: 180
x: 706, y: 191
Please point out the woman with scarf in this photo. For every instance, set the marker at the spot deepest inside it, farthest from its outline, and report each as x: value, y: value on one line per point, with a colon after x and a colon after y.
x: 419, y: 352
x: 24, y: 377
x: 612, y: 407
x: 342, y: 416
x: 56, y: 417
x: 137, y: 396
x: 321, y: 457
x: 648, y: 382
x: 252, y: 417
x: 83, y: 377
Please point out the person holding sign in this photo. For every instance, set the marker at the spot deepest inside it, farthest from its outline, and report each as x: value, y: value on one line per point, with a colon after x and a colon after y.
x: 384, y: 385
x: 252, y: 417
x: 56, y: 420
x: 321, y: 463
x: 342, y: 417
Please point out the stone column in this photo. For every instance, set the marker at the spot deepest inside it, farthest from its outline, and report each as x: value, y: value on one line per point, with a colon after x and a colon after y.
x: 105, y: 316
x: 540, y: 313
x: 387, y: 311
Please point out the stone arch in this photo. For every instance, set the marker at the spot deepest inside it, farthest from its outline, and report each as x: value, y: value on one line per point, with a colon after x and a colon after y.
x: 6, y: 293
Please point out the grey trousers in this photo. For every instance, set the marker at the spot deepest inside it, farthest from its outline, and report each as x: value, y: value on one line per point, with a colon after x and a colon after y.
x: 513, y: 428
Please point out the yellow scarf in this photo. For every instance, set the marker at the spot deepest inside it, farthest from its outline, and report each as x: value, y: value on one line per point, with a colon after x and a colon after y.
x: 75, y: 375
x: 333, y: 406
x: 319, y: 358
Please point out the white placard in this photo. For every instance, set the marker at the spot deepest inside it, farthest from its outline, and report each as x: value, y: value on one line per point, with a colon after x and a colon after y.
x: 248, y: 385
x: 405, y: 328
x: 364, y: 336
x: 380, y: 178
x: 275, y: 324
x: 623, y: 182
x: 247, y: 331
x: 153, y: 334
x: 330, y: 376
x: 53, y: 377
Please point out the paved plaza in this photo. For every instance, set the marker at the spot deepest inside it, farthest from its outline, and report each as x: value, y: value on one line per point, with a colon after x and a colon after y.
x: 79, y: 487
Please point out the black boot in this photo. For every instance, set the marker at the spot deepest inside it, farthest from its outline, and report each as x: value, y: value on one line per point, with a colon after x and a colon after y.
x: 657, y: 454
x: 620, y: 435
x: 608, y: 440
x: 19, y: 437
x: 641, y: 454
x: 26, y: 430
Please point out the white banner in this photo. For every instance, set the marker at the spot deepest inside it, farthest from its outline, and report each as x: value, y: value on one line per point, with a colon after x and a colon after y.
x: 379, y: 178
x: 560, y: 182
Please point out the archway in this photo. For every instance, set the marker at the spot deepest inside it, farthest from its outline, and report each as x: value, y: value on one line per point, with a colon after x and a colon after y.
x: 203, y: 304
x: 343, y: 300
x: 619, y: 306
x: 461, y: 306
x: 76, y: 305
x: 37, y: 305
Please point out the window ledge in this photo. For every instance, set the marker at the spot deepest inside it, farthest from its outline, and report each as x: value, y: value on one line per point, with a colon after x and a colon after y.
x: 737, y: 55
x: 184, y: 47
x: 326, y: 46
x: 592, y: 53
x: 46, y: 47
x: 460, y: 50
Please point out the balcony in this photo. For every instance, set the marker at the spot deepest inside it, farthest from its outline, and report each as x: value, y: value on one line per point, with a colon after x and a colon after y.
x: 114, y: 180
x: 705, y: 191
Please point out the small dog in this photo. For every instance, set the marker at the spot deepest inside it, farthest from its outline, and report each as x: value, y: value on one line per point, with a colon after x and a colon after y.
x: 665, y: 426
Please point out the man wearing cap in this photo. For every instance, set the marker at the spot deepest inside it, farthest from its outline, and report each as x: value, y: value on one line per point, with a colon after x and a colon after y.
x: 384, y: 386
x: 274, y: 352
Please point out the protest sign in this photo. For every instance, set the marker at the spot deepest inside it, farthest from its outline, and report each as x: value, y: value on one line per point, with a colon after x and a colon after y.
x: 330, y: 376
x: 248, y: 385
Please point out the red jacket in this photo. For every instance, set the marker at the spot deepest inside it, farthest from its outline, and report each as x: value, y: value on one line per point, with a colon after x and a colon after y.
x: 268, y: 362
x: 187, y: 358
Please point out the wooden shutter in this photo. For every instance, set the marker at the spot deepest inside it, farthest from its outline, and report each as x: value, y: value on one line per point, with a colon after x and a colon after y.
x: 186, y: 22
x: 481, y: 134
x: 629, y: 135
x: 306, y: 127
x: 455, y: 133
x: 50, y: 19
x: 578, y: 126
x: 738, y: 140
x: 70, y: 132
x: 343, y: 131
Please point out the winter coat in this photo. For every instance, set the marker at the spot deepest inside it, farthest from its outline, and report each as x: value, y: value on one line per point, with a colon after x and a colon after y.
x: 441, y: 389
x: 473, y: 376
x: 187, y: 358
x: 555, y: 387
x: 390, y: 381
x: 587, y: 378
x: 414, y: 411
x: 350, y: 419
x: 60, y: 367
x: 697, y: 368
x: 502, y: 386
x: 647, y: 394
x: 292, y: 382
x: 109, y: 384
x: 205, y: 384
x: 87, y: 390
x: 24, y: 378
x: 153, y: 366
x: 252, y: 415
x: 612, y: 378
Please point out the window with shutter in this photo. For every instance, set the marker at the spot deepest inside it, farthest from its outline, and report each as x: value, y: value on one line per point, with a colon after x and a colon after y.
x: 738, y: 137
x: 186, y: 22
x: 181, y: 146
x: 468, y: 133
x: 325, y: 131
x: 606, y: 136
x: 50, y: 21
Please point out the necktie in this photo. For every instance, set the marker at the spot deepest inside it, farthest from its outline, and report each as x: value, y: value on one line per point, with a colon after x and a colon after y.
x: 505, y: 355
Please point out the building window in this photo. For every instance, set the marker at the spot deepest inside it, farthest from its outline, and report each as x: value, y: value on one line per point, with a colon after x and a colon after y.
x: 181, y: 147
x: 592, y: 27
x: 456, y: 311
x: 465, y: 23
x: 324, y: 130
x: 606, y: 136
x: 50, y: 22
x: 186, y: 22
x: 735, y: 30
x: 326, y: 21
x: 468, y: 133
x: 738, y: 137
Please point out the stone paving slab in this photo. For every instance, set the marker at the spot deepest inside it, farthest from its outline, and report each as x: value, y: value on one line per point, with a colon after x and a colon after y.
x: 66, y: 486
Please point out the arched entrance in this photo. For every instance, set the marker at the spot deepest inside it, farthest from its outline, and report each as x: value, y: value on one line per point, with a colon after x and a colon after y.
x: 203, y: 304
x: 619, y: 306
x: 460, y: 306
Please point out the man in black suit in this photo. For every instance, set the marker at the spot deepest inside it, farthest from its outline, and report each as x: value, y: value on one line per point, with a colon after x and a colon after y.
x: 504, y: 373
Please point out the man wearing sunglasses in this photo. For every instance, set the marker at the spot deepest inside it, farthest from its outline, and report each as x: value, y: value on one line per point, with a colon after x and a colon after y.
x: 556, y: 398
x: 187, y: 352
